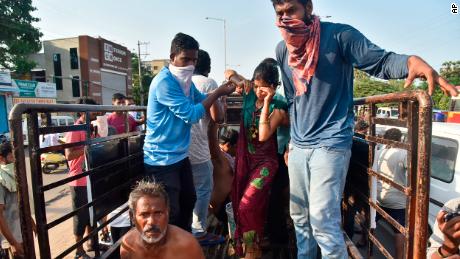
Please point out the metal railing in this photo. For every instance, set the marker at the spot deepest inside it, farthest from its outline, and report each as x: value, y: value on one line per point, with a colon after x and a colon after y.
x: 415, y: 114
x: 130, y: 160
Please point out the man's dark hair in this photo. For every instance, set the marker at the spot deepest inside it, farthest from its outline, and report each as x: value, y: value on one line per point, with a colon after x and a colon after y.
x: 203, y: 64
x: 393, y: 134
x: 118, y: 96
x: 146, y: 188
x: 302, y: 2
x: 5, y: 149
x: 267, y: 71
x: 228, y: 135
x: 183, y: 42
x: 85, y: 100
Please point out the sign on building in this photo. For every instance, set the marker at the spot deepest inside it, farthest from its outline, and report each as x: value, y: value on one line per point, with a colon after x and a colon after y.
x: 35, y: 89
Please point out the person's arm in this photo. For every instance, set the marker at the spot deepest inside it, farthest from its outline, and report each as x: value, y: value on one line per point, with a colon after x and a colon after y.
x: 268, y: 123
x: 216, y: 111
x: 5, y: 230
x: 368, y: 57
x: 173, y: 97
x: 450, y: 230
x: 73, y: 152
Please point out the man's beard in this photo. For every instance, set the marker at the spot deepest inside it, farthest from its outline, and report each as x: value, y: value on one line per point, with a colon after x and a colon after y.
x: 154, y: 229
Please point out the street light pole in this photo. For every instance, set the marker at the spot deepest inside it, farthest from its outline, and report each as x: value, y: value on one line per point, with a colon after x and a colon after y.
x: 225, y: 37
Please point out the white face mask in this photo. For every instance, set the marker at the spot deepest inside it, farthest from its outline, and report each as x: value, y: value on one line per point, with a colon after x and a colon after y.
x: 184, y: 76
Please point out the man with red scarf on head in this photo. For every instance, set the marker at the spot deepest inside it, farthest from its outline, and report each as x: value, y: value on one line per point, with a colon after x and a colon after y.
x: 317, y: 60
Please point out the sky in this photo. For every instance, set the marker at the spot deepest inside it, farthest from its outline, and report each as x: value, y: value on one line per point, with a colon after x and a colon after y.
x: 424, y: 28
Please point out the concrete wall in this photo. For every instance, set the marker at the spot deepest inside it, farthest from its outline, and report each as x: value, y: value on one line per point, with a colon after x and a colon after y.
x: 62, y: 46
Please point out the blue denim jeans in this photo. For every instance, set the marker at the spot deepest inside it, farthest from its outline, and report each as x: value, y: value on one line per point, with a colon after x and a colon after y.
x: 202, y: 178
x: 317, y: 178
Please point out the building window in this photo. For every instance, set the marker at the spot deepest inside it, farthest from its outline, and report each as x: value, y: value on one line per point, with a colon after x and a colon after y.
x: 155, y: 68
x: 73, y: 58
x: 76, y: 86
x: 57, y: 71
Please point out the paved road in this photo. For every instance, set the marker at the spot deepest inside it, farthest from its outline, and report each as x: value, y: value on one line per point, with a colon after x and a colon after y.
x: 58, y: 203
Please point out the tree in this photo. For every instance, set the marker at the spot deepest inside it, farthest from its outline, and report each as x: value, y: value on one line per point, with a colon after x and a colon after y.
x: 364, y: 85
x: 147, y: 78
x: 18, y: 38
x: 450, y: 70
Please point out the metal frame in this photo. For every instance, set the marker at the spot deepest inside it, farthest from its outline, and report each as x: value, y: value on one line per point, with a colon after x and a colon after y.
x: 31, y: 111
x: 416, y: 116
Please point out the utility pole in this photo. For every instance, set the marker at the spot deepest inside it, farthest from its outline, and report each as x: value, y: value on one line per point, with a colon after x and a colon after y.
x: 225, y: 37
x: 141, y: 89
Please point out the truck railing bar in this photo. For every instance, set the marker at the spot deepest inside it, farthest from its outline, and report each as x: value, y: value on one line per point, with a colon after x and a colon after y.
x: 61, y: 129
x: 86, y: 206
x: 390, y: 122
x: 19, y: 109
x: 406, y: 190
x: 392, y: 143
x: 388, y: 218
x: 379, y: 245
x: 91, y: 141
x: 90, y: 171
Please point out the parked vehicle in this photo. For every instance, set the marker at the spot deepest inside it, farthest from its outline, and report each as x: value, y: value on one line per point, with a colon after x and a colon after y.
x: 51, y: 162
x: 57, y: 120
x: 388, y: 112
x: 445, y: 164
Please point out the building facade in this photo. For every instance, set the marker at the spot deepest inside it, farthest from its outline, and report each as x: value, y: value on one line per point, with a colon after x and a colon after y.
x: 155, y: 66
x: 84, y: 66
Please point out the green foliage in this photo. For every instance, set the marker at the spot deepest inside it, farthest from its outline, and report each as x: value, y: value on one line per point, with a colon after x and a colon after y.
x: 18, y: 38
x: 364, y: 85
x: 147, y: 78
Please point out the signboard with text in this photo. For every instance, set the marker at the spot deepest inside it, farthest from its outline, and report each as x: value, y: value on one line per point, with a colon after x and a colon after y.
x: 35, y: 89
x: 113, y: 56
x: 34, y: 100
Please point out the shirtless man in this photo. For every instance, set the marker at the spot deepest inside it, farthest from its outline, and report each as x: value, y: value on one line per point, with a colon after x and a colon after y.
x: 152, y: 236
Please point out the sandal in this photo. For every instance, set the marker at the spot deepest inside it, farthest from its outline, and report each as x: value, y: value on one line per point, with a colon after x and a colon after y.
x: 210, y: 239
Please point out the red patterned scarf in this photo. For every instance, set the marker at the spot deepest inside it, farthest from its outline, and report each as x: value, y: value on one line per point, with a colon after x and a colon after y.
x: 302, y: 42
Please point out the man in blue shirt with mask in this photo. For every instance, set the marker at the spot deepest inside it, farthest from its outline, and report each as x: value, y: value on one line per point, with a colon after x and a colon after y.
x: 174, y: 105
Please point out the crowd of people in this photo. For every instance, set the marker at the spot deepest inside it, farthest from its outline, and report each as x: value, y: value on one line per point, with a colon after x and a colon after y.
x: 314, y: 62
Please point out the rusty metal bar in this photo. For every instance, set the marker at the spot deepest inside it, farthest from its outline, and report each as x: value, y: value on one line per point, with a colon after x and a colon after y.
x: 423, y: 175
x: 390, y: 122
x: 391, y: 143
x: 23, y: 191
x: 379, y: 245
x: 388, y: 218
x: 403, y: 189
x: 37, y: 181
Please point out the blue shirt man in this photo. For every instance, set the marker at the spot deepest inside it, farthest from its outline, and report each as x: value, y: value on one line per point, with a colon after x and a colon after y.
x: 174, y: 105
x: 322, y: 119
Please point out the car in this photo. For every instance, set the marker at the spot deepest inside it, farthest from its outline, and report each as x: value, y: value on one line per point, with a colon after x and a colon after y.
x: 387, y: 112
x: 445, y: 165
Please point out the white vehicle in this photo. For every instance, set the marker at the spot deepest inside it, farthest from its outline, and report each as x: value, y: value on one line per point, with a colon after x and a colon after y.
x: 387, y: 112
x: 56, y: 120
x: 445, y: 165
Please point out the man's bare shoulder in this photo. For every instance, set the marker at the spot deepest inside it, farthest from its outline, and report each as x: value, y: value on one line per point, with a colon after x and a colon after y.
x: 128, y: 244
x: 186, y: 242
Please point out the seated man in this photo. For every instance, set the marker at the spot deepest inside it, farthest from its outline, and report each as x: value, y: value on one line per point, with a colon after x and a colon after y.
x: 152, y: 236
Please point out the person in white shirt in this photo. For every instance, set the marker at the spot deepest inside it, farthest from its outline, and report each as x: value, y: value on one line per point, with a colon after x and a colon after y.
x: 199, y: 154
x: 392, y: 163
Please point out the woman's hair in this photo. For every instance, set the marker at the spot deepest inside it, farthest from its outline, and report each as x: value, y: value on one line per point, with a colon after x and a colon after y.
x: 267, y: 71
